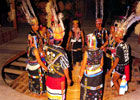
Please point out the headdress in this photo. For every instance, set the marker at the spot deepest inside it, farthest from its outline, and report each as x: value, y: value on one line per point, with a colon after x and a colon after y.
x: 91, y: 40
x: 99, y: 21
x: 123, y: 25
x: 29, y: 12
x: 58, y: 28
x: 58, y: 33
x: 137, y: 28
x: 75, y: 21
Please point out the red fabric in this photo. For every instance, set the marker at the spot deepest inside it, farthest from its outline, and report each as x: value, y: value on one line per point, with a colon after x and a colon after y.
x: 54, y: 83
x: 127, y: 72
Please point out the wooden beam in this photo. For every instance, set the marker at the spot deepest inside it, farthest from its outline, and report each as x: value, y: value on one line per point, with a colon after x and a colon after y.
x: 22, y: 59
x: 13, y: 71
x: 15, y: 57
x: 18, y: 64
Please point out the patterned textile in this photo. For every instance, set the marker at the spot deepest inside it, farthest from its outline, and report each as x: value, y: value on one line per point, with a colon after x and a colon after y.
x: 94, y: 57
x: 122, y: 52
x: 76, y: 47
x: 111, y: 41
x: 37, y: 80
x: 110, y: 52
x: 92, y: 81
x: 54, y: 92
x: 36, y: 74
x: 101, y: 36
x: 38, y: 37
x: 57, y: 61
x: 92, y: 87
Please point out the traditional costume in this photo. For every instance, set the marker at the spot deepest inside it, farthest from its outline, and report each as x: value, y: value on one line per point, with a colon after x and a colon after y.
x: 110, y: 52
x: 57, y: 62
x: 35, y: 72
x: 76, y: 45
x: 100, y: 35
x: 92, y: 81
x: 122, y: 50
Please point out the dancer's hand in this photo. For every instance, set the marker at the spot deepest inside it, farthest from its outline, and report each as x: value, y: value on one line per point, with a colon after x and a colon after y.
x: 109, y: 73
x: 79, y: 79
x: 102, y: 47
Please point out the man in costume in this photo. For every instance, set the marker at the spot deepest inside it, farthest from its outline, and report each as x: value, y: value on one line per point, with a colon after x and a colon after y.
x: 121, y: 63
x: 100, y: 32
x: 58, y: 65
x: 91, y: 72
x: 110, y: 46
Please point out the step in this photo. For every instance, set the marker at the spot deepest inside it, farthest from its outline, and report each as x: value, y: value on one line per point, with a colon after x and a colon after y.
x: 19, y: 64
x: 13, y: 71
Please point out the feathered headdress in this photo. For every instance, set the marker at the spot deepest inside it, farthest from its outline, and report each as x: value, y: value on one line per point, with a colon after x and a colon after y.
x: 58, y: 28
x: 137, y: 28
x: 123, y: 25
x: 29, y: 12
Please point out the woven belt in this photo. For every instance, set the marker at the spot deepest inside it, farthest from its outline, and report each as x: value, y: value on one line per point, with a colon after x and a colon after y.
x: 92, y: 88
x: 34, y: 76
x: 78, y: 49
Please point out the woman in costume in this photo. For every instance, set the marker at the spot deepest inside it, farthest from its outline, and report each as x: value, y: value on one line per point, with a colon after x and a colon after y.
x: 44, y: 34
x: 35, y: 66
x: 75, y: 42
x: 36, y: 70
x: 58, y: 65
x: 91, y: 72
x: 110, y: 46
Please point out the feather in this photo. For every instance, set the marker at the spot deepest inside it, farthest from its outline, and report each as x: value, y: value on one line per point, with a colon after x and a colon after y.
x: 137, y: 29
x: 138, y: 9
x: 30, y: 7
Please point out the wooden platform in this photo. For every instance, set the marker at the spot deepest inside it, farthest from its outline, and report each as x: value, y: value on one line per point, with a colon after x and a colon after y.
x: 20, y: 84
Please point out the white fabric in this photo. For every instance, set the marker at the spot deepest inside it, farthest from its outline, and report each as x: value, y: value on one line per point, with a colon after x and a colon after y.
x: 32, y: 67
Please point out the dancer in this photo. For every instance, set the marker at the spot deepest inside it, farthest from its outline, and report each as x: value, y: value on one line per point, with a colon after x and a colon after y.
x: 75, y: 42
x: 100, y: 32
x: 91, y: 72
x: 58, y: 65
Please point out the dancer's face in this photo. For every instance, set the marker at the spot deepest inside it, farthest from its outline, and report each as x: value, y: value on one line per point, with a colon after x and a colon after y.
x: 98, y: 25
x: 75, y: 25
x: 112, y: 29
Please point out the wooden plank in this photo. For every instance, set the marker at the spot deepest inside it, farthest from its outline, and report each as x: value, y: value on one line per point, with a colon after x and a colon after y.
x: 20, y: 64
x: 22, y: 59
x: 13, y: 71
x: 14, y: 57
x: 9, y: 81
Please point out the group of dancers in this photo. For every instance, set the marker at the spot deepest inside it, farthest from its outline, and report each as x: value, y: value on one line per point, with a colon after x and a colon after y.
x: 102, y: 53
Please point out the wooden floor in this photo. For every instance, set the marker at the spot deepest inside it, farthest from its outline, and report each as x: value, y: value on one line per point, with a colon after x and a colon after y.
x: 20, y: 84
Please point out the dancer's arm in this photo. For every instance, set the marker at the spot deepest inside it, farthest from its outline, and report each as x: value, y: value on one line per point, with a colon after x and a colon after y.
x: 84, y: 61
x: 68, y: 41
x: 66, y: 72
x: 36, y: 52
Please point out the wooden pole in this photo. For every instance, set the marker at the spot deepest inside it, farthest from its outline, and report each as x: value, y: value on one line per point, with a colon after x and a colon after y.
x: 14, y: 12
